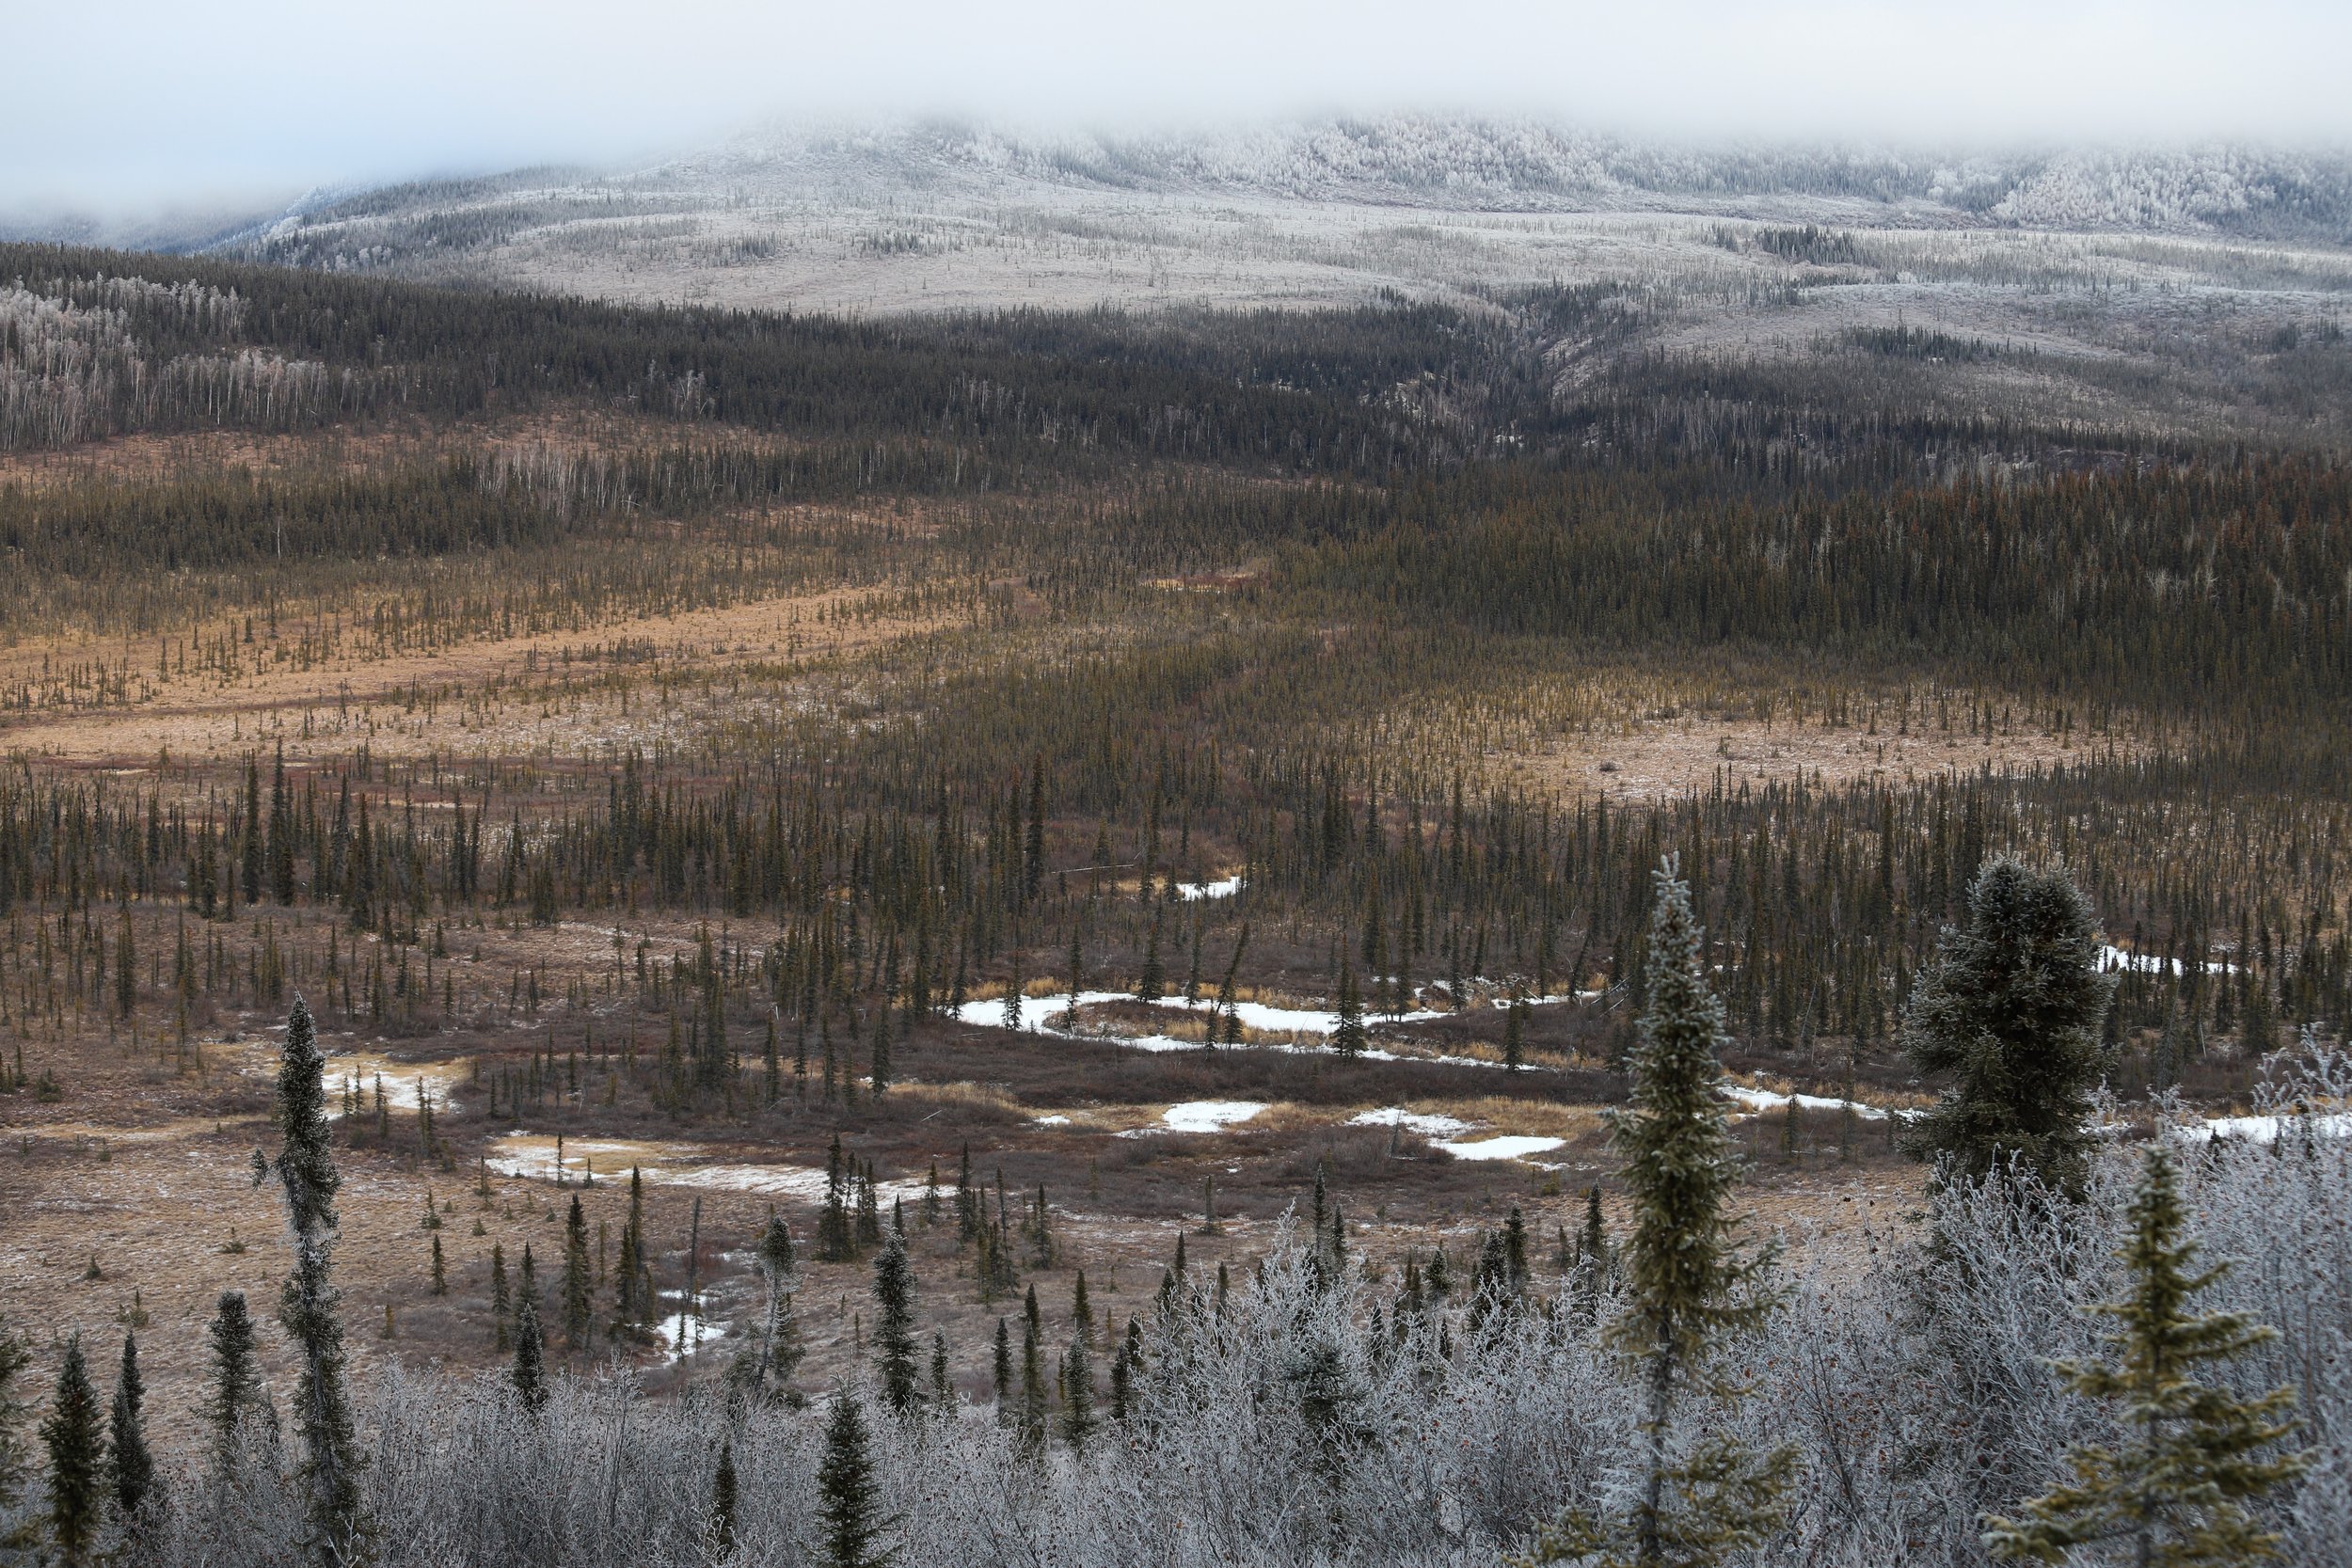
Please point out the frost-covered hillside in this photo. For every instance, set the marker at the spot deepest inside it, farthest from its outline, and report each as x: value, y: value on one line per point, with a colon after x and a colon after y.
x: 1515, y: 165
x: 2111, y: 287
x: 936, y: 214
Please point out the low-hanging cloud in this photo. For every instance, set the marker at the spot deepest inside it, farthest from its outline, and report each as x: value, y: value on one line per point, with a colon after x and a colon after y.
x: 122, y: 104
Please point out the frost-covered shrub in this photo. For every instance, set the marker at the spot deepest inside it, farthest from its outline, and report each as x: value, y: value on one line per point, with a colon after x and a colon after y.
x: 1299, y: 1423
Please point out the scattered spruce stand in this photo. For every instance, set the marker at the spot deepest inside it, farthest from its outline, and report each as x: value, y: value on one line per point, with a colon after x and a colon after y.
x: 1503, y: 923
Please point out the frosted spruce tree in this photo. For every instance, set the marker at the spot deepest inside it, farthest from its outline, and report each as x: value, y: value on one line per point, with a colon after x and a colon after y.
x: 530, y: 1373
x: 74, y: 1435
x: 2194, y: 1452
x: 1349, y: 1037
x: 849, y: 1494
x: 725, y: 1495
x: 2010, y: 1011
x: 305, y: 1170
x: 894, y: 1329
x: 129, y: 1466
x: 781, y: 1349
x: 237, y: 1395
x: 1687, y: 1287
x: 579, y: 1281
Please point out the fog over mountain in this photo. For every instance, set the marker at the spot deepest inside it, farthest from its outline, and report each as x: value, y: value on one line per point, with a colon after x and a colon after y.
x: 243, y: 106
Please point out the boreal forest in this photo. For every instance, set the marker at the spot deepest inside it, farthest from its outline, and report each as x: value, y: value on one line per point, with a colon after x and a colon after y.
x: 1445, y: 929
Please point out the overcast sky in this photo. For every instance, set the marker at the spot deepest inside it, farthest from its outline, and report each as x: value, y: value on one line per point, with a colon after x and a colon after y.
x: 115, y: 105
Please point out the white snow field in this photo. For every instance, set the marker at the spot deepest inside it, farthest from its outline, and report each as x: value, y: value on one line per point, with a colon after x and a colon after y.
x: 2076, y: 266
x: 1444, y: 1133
x: 682, y: 1335
x: 1772, y: 1099
x: 2269, y: 1129
x: 532, y: 1157
x: 1042, y: 1015
x: 1504, y: 1147
x: 2112, y: 958
x: 1427, y: 1126
x: 1200, y: 1116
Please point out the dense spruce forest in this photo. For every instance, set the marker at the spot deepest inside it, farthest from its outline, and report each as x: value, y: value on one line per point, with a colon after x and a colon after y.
x: 886, y: 754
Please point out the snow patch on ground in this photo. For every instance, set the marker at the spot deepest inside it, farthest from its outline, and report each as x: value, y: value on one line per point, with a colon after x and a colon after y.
x: 1200, y: 1116
x: 1769, y: 1099
x: 1055, y: 1120
x: 1048, y: 1016
x: 1412, y: 1122
x: 1225, y: 889
x: 2267, y: 1130
x: 364, y: 1070
x: 532, y: 1156
x: 775, y: 1180
x: 683, y: 1334
x: 2112, y: 958
x: 1504, y: 1147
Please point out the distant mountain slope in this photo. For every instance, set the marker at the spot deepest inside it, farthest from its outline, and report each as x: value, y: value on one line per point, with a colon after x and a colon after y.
x: 2159, y: 289
x: 1455, y: 163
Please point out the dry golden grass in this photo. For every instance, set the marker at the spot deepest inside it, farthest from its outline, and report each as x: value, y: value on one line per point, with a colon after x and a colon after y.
x: 966, y: 1096
x: 491, y: 697
x: 1667, y: 758
x: 585, y: 427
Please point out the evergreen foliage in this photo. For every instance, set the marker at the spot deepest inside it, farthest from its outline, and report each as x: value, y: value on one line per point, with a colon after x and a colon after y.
x: 579, y: 1283
x: 2011, y: 1013
x: 74, y: 1433
x: 529, y: 1371
x: 2176, y: 1491
x: 780, y: 1346
x: 306, y: 1172
x: 129, y: 1463
x: 894, y: 1329
x: 850, y: 1504
x: 1349, y: 1037
x: 1687, y: 1289
x: 235, y: 1395
x: 724, y: 1502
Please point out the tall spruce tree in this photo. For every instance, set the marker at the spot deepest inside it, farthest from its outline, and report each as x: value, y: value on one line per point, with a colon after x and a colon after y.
x: 2011, y: 1012
x: 501, y: 1299
x: 1152, y: 983
x: 780, y: 1346
x: 879, y: 1073
x: 723, y: 1498
x: 1033, y: 1401
x: 1077, y: 1393
x: 1000, y: 1373
x: 1687, y: 1286
x: 2175, y: 1492
x: 632, y: 1294
x: 74, y: 1435
x: 849, y: 1495
x: 836, y: 1234
x: 130, y: 1464
x: 579, y: 1281
x: 126, y: 969
x: 1348, y: 1038
x: 529, y: 1371
x: 306, y: 1171
x: 237, y: 1395
x: 894, y: 1329
x: 1592, y: 1261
